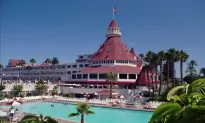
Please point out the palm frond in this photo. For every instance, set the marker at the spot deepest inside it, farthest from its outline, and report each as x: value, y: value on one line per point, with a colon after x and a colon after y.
x: 173, y: 91
x: 73, y: 114
x: 164, y: 111
x: 30, y: 117
x: 50, y: 120
x: 89, y: 112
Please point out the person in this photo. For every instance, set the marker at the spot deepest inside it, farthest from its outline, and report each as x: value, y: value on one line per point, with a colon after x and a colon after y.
x: 12, y: 111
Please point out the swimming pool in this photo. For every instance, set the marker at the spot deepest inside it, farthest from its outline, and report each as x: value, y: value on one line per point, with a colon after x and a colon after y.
x: 103, y: 115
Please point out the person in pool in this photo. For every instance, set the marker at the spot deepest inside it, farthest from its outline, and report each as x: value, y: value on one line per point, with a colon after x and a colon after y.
x: 11, y: 112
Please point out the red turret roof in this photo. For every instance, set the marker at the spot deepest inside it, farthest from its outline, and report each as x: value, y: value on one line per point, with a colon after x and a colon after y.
x: 113, y: 49
x: 113, y: 24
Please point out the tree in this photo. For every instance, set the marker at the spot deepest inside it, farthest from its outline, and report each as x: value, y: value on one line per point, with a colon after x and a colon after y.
x: 191, y: 68
x: 151, y: 59
x: 202, y: 71
x: 2, y: 87
x: 111, y: 77
x: 185, y: 108
x: 41, y: 88
x: 196, y: 86
x: 147, y: 69
x: 48, y: 61
x: 183, y: 56
x: 55, y: 61
x: 1, y: 66
x: 172, y: 57
x: 82, y: 109
x: 161, y: 57
x: 37, y: 119
x: 190, y: 78
x: 55, y: 90
x: 32, y: 61
x: 17, y: 89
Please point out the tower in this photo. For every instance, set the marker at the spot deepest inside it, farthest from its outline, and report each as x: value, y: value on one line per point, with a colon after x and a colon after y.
x: 113, y: 30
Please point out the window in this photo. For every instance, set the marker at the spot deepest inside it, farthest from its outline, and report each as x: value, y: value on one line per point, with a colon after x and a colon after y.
x: 74, y: 71
x: 68, y: 66
x: 93, y: 76
x: 85, y: 76
x: 132, y: 76
x: 68, y: 72
x: 79, y: 76
x: 123, y: 76
x: 74, y: 66
x: 102, y: 76
x: 73, y: 76
x: 86, y: 65
x: 81, y: 65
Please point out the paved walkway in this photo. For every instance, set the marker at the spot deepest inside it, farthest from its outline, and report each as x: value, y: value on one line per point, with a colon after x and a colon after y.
x: 64, y: 121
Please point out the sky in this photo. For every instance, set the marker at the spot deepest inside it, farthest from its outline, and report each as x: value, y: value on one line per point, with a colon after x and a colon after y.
x: 66, y: 28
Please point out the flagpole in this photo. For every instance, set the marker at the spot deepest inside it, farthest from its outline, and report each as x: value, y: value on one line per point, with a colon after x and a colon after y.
x: 113, y: 10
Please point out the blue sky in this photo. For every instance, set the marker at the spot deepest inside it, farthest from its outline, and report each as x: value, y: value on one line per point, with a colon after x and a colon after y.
x: 65, y: 28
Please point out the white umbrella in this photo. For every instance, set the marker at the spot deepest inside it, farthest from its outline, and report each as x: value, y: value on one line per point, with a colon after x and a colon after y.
x: 122, y: 97
x: 6, y: 100
x: 16, y: 103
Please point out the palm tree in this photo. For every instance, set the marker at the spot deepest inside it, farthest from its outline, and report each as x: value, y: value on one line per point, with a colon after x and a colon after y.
x: 191, y: 68
x: 161, y: 57
x: 111, y: 77
x: 1, y: 66
x: 183, y: 56
x: 167, y: 68
x: 48, y: 61
x: 147, y: 69
x: 173, y: 58
x: 151, y: 59
x: 82, y: 109
x: 55, y: 61
x: 32, y: 61
x: 37, y: 119
x: 202, y: 71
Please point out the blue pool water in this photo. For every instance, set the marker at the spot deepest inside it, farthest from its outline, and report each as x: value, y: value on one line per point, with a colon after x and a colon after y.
x: 103, y: 115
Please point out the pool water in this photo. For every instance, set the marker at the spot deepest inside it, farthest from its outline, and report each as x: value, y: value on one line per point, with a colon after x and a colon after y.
x: 103, y: 115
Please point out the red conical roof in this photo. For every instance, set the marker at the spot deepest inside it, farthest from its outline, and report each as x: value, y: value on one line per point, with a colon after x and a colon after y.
x: 113, y: 24
x: 113, y: 49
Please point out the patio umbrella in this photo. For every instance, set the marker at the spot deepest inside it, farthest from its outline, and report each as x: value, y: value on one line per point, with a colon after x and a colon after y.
x: 14, y: 103
x: 122, y: 97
